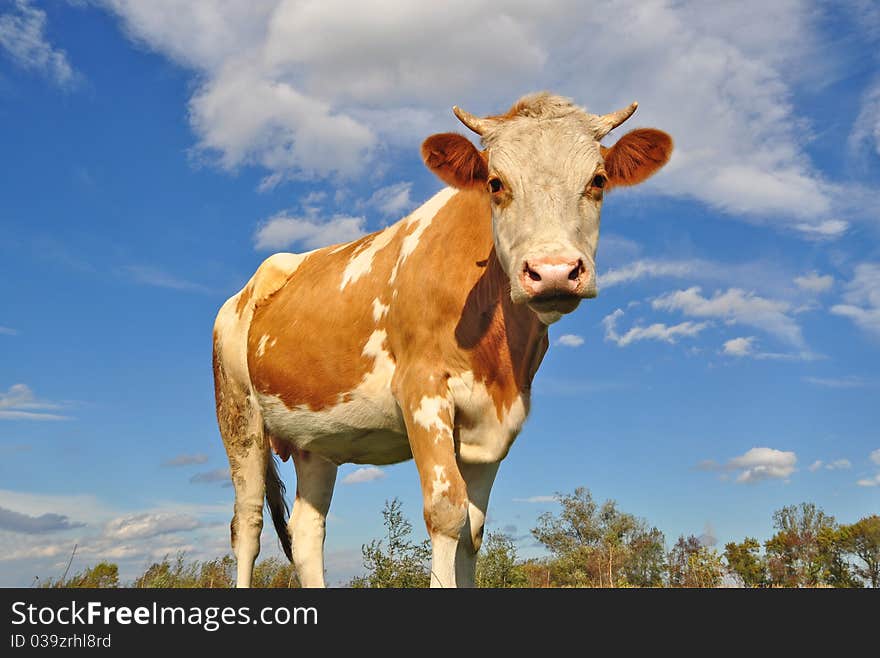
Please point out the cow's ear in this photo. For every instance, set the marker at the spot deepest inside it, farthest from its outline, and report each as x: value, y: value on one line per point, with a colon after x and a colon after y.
x: 455, y: 160
x: 636, y: 156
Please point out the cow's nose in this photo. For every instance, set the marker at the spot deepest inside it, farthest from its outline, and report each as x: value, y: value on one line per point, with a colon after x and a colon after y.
x: 553, y: 275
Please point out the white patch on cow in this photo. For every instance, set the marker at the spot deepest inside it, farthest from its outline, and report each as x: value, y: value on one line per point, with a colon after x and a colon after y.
x: 261, y: 346
x: 421, y: 217
x: 379, y: 310
x: 361, y: 262
x: 441, y: 484
x: 483, y: 438
x: 443, y: 549
x: 428, y: 416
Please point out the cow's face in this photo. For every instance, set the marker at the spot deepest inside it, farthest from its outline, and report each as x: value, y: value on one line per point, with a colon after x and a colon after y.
x: 546, y: 174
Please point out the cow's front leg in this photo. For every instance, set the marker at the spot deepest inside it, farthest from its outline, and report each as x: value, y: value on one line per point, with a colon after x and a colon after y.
x: 429, y: 426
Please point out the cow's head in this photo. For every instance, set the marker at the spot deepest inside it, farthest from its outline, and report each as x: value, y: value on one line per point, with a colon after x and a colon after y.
x: 546, y: 174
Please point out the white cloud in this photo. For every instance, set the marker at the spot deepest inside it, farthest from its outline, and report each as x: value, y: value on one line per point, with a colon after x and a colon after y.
x: 814, y: 282
x: 736, y: 306
x: 656, y: 331
x: 141, y: 526
x: 823, y: 230
x: 536, y: 499
x: 647, y: 268
x: 875, y: 456
x: 20, y: 403
x: 836, y: 465
x: 862, y: 297
x: 364, y: 474
x: 866, y: 129
x: 763, y: 463
x: 281, y: 231
x: 392, y: 200
x: 837, y: 382
x: 8, y: 331
x: 873, y: 481
x: 159, y: 278
x: 23, y: 37
x: 569, y: 340
x: 303, y: 88
x: 743, y: 346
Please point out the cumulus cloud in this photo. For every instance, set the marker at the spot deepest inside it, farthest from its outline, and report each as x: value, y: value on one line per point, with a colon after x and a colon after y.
x: 364, y: 474
x: 20, y: 403
x: 392, y: 200
x: 140, y: 526
x: 875, y: 456
x: 210, y: 477
x: 757, y: 464
x: 862, y: 298
x: 306, y: 89
x: 281, y: 231
x: 186, y: 460
x: 873, y: 481
x: 569, y: 340
x: 743, y: 346
x: 814, y: 282
x: 656, y: 331
x: 736, y: 306
x: 35, y: 525
x: 23, y: 38
x: 763, y: 463
x: 536, y: 499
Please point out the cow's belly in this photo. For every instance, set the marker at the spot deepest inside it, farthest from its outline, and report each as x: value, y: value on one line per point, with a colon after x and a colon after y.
x: 366, y: 429
x: 481, y: 435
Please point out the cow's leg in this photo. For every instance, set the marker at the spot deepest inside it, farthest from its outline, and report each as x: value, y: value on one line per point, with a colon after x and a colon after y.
x: 315, y: 479
x: 429, y: 426
x: 479, y: 479
x: 241, y: 426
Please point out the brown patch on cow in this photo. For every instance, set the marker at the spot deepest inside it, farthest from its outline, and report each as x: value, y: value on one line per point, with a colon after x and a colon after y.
x: 319, y: 331
x: 455, y: 160
x: 636, y: 156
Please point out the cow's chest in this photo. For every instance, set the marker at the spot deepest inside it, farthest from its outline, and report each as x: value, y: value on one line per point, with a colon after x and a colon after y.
x: 483, y: 435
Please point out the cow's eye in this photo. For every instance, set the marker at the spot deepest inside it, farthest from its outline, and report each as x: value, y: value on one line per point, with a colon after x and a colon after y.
x: 495, y: 185
x: 599, y: 181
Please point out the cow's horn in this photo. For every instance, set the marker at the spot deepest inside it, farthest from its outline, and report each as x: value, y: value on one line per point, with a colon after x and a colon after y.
x: 608, y: 122
x: 475, y: 123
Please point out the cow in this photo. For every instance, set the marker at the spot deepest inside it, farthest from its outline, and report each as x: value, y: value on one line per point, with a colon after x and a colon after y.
x: 419, y: 341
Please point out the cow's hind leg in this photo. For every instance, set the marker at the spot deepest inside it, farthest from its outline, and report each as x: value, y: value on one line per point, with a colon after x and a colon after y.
x: 241, y: 426
x: 315, y: 480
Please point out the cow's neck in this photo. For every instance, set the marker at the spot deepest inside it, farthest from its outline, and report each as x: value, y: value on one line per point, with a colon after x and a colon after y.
x: 506, y: 340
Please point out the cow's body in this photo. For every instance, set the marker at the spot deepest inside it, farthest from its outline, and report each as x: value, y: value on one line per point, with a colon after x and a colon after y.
x: 403, y: 344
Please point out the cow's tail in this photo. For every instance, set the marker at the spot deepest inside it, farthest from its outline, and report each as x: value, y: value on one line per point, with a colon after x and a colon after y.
x: 277, y: 504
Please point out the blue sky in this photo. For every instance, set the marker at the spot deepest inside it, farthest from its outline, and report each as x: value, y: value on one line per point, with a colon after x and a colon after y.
x: 154, y: 153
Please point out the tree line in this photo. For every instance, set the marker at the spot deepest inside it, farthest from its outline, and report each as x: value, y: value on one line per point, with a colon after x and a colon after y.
x: 599, y: 545
x: 588, y: 545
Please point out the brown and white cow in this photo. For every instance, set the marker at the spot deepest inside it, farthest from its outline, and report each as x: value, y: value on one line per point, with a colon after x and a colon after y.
x: 420, y: 340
